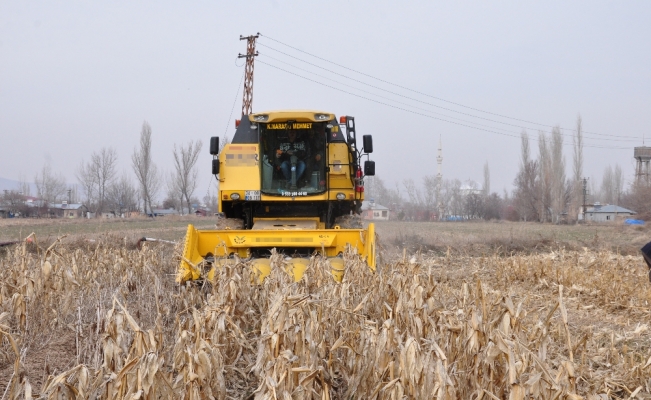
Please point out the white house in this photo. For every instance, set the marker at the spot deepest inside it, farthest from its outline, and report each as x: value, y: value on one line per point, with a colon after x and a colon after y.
x: 371, y: 210
x: 607, y: 213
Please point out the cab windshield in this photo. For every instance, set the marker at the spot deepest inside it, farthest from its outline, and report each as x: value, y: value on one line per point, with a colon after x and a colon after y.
x: 293, y: 158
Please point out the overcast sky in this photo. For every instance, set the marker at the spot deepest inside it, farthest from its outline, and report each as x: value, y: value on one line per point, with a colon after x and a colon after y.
x: 78, y: 76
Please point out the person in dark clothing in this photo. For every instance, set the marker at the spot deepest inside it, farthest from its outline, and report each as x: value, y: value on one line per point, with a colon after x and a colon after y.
x: 646, y: 253
x: 286, y: 150
x: 316, y: 161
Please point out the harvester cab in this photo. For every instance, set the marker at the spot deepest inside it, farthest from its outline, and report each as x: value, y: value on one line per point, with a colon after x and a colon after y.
x: 290, y: 181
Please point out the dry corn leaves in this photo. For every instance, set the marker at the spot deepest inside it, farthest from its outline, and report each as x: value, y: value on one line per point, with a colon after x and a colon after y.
x: 560, y: 325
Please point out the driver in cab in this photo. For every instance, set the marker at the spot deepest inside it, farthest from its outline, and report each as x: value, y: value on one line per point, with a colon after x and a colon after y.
x: 292, y: 146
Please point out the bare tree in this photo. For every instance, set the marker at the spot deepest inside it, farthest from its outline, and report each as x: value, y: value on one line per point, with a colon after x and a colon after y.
x: 618, y: 178
x: 576, y: 186
x: 493, y: 206
x: 578, y: 149
x: 210, y: 201
x: 473, y: 205
x: 413, y: 193
x: 429, y: 196
x: 607, y: 192
x: 526, y: 196
x: 14, y: 201
x: 87, y: 179
x: 637, y: 199
x: 103, y: 166
x: 557, y: 182
x: 49, y: 186
x: 145, y: 169
x: 24, y: 187
x: 525, y: 153
x: 414, y: 196
x: 487, y: 180
x: 185, y: 160
x: 174, y: 195
x: 381, y: 194
x: 454, y: 196
x: 121, y: 195
x: 527, y: 184
x: 97, y: 175
x: 545, y: 172
x: 612, y: 184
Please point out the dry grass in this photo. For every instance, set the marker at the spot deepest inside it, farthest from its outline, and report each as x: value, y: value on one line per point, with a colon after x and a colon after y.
x: 168, y: 227
x: 507, y: 238
x: 104, y: 320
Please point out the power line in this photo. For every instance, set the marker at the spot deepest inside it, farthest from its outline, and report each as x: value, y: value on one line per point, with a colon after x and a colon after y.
x: 412, y: 111
x: 419, y: 92
x: 382, y: 97
x: 234, y: 101
x: 417, y: 100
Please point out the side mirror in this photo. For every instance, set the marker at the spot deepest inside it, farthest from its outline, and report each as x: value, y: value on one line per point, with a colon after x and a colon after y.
x: 368, y: 144
x: 369, y: 168
x: 214, y: 146
x: 215, y: 166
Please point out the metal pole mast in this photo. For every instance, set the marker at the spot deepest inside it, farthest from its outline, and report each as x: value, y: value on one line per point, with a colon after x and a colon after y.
x: 247, y: 101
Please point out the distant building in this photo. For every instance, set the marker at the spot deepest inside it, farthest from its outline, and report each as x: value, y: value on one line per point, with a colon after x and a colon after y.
x: 373, y: 211
x: 161, y: 212
x: 65, y: 210
x: 470, y: 187
x: 607, y: 213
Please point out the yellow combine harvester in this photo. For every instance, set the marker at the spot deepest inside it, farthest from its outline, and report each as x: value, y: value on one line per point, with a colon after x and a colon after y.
x: 293, y: 182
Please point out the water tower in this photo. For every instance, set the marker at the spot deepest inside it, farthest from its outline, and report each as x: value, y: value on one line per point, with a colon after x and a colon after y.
x: 642, y: 157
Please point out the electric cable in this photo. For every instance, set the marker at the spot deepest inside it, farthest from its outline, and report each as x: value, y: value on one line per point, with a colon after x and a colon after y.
x: 416, y: 112
x: 234, y: 101
x: 420, y: 101
x: 227, y: 123
x: 419, y: 92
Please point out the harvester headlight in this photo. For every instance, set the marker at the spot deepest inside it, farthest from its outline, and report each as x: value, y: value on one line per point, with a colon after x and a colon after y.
x: 254, y: 126
x: 261, y: 118
x: 235, y: 196
x: 321, y: 117
x: 341, y: 196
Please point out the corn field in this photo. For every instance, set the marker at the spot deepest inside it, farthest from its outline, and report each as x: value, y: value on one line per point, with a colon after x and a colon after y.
x: 105, y: 320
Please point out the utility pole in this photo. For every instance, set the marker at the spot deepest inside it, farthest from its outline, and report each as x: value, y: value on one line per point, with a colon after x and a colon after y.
x: 585, y: 196
x: 247, y: 101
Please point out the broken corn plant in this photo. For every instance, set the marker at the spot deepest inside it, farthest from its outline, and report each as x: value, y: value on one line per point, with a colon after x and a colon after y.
x: 106, y: 322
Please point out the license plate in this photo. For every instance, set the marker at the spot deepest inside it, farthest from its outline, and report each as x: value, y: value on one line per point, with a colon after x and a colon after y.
x: 251, y: 195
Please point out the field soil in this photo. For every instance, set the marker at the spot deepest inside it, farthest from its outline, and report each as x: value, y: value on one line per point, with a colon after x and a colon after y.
x: 471, y: 238
x: 455, y: 311
x: 506, y: 238
x: 47, y: 230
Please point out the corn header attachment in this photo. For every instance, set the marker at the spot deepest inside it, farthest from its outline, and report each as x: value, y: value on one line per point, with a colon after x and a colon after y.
x: 206, y: 250
x: 290, y: 178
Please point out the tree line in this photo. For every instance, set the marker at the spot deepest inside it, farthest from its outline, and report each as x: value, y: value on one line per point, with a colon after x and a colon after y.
x: 542, y: 190
x: 104, y: 189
